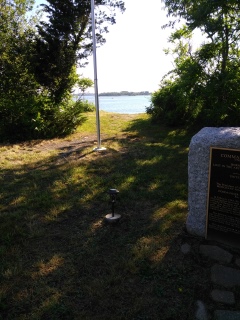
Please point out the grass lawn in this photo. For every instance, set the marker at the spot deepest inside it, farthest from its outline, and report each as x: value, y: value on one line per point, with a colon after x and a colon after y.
x: 60, y: 260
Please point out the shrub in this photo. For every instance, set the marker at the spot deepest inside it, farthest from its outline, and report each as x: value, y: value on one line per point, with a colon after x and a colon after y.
x: 39, y: 117
x: 168, y: 104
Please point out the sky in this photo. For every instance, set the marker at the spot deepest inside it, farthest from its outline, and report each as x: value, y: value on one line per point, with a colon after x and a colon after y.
x: 132, y: 58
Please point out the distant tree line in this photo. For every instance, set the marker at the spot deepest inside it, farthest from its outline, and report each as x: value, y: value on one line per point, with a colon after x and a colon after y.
x: 203, y: 88
x: 39, y: 56
x: 125, y: 93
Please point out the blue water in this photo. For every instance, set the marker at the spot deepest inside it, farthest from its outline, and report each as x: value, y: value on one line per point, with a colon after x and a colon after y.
x: 122, y: 104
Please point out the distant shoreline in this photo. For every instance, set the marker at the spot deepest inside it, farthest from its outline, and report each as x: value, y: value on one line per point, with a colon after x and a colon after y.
x: 121, y: 93
x: 125, y: 93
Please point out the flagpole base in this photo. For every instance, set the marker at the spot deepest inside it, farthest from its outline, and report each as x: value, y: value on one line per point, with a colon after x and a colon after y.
x: 112, y: 219
x: 99, y: 149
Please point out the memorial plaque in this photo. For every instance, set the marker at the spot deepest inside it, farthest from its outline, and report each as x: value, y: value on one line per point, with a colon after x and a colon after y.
x: 223, y: 207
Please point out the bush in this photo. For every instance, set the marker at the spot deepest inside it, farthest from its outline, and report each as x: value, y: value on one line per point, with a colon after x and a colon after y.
x: 39, y: 117
x: 58, y: 120
x: 87, y: 106
x: 213, y: 100
x: 168, y: 104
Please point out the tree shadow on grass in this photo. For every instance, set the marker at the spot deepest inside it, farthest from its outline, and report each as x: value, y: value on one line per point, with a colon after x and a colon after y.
x: 61, y: 260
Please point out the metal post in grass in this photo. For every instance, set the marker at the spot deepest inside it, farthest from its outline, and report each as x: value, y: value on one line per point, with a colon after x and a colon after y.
x: 99, y: 148
x: 113, y: 217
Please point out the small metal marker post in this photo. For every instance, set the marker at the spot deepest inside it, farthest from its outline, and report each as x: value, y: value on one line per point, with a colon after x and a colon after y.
x: 113, y: 217
x: 99, y: 147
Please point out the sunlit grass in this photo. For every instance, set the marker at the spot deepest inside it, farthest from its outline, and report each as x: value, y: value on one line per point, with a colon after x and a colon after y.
x: 60, y: 259
x: 44, y: 268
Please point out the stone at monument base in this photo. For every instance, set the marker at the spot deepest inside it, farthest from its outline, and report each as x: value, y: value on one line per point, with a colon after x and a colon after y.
x: 198, y: 171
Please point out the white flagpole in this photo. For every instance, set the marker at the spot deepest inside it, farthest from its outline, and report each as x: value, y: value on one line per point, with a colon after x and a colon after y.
x: 99, y: 148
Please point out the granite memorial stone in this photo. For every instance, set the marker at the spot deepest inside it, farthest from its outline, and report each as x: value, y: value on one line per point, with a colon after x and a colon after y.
x: 198, y: 171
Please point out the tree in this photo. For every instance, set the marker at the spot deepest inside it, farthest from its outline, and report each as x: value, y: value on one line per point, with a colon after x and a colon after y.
x: 17, y: 85
x: 208, y: 76
x: 65, y: 40
x: 38, y: 65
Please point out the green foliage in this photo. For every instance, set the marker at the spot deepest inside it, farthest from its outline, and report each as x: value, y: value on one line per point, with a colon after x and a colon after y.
x: 38, y: 66
x: 203, y: 88
x: 18, y: 86
x: 27, y: 110
x: 65, y: 39
x: 57, y: 120
x: 40, y: 117
x: 84, y: 83
x: 86, y: 105
x: 167, y: 110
